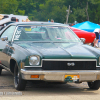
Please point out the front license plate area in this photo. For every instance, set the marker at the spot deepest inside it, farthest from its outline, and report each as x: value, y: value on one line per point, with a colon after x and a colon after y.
x: 72, y: 78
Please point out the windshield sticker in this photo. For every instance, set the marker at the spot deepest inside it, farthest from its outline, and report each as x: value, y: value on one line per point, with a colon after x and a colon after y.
x: 18, y: 32
x: 16, y: 37
x: 27, y: 29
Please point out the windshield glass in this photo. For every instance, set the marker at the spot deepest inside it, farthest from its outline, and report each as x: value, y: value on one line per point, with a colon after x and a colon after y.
x: 45, y: 33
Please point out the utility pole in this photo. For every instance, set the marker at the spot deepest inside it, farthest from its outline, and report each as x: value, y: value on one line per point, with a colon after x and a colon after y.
x: 68, y: 11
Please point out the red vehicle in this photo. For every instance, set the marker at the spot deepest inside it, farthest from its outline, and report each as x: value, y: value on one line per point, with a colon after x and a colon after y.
x: 89, y: 36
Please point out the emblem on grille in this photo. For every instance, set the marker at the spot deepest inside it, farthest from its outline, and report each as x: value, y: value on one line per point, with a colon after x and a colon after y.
x: 71, y: 64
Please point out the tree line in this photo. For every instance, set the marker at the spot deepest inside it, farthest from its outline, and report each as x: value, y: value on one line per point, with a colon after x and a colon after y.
x: 42, y: 10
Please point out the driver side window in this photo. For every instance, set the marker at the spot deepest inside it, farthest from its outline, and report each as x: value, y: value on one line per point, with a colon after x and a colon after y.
x: 8, y: 32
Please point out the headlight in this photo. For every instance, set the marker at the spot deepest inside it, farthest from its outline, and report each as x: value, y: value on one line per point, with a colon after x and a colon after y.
x: 34, y: 60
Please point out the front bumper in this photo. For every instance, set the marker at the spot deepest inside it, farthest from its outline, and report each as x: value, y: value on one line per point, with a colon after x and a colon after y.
x: 59, y: 76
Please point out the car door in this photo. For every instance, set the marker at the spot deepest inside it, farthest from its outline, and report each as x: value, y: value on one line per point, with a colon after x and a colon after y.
x: 5, y: 45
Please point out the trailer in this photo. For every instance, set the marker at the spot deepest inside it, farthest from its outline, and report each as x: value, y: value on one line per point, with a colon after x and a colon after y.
x: 6, y: 19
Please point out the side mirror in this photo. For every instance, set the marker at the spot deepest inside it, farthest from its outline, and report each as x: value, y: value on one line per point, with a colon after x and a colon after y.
x: 5, y: 38
x: 82, y: 40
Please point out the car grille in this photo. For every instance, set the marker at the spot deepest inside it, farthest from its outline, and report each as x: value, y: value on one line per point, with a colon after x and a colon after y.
x: 69, y: 65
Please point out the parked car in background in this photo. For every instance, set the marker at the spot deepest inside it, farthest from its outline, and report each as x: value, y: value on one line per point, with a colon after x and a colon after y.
x: 49, y: 52
x: 89, y: 36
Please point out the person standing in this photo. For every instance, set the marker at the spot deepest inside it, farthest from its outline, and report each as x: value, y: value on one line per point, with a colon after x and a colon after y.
x: 96, y: 31
x: 52, y: 20
x: 27, y: 20
x: 1, y: 17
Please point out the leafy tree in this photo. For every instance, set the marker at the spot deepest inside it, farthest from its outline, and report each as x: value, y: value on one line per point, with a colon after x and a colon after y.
x: 52, y: 9
x: 83, y: 10
x: 8, y: 6
x: 42, y: 10
x: 94, y: 11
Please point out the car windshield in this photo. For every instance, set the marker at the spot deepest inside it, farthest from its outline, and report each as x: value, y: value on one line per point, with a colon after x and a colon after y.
x: 45, y: 34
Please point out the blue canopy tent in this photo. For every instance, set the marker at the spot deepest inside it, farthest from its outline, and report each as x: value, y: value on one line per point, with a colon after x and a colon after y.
x: 87, y: 26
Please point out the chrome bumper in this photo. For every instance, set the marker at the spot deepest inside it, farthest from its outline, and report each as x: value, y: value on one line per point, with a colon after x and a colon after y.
x: 85, y: 75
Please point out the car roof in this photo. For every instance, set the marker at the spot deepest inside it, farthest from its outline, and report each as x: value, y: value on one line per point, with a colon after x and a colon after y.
x: 38, y: 23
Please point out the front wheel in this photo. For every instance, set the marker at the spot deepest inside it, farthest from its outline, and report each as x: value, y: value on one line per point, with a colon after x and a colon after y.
x: 94, y: 85
x: 19, y: 83
x: 0, y: 70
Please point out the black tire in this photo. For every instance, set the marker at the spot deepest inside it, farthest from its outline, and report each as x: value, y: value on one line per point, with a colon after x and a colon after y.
x: 94, y: 85
x: 0, y: 70
x: 19, y: 83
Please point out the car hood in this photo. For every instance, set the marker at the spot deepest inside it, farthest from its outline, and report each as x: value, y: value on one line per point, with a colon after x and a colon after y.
x: 61, y: 50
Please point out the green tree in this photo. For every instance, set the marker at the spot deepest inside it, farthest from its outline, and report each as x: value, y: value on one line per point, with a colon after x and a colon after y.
x: 42, y: 10
x: 94, y: 11
x: 52, y: 9
x: 84, y: 10
x: 8, y: 6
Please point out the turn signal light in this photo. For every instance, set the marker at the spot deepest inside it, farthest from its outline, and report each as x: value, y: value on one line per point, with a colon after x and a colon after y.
x: 34, y: 76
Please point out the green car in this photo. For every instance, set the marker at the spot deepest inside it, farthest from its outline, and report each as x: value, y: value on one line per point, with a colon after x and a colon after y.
x: 49, y: 52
